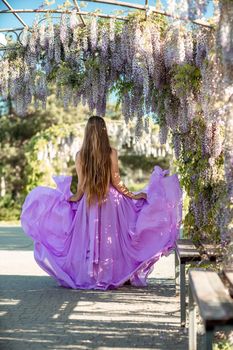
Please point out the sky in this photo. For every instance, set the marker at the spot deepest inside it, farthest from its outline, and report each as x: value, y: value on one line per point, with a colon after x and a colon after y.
x: 10, y: 21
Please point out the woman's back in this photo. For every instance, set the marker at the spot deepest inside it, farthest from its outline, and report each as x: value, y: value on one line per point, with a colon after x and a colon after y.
x: 114, y: 180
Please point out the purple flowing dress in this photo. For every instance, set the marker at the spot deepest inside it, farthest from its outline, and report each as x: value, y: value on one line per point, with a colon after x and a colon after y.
x: 101, y: 247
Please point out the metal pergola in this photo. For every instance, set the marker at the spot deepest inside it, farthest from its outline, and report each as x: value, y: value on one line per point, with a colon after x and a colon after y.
x: 146, y: 8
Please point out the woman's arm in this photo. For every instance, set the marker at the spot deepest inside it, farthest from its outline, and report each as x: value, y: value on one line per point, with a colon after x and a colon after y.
x: 78, y: 195
x: 116, y: 179
x: 79, y: 174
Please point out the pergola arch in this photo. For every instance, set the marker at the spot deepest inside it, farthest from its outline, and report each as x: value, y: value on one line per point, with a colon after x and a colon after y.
x: 145, y: 8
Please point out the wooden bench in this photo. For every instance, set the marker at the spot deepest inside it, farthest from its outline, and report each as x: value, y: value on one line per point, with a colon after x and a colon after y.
x: 185, y: 252
x: 207, y: 291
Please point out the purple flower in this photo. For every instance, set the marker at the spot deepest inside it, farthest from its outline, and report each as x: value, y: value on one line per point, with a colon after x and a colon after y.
x: 94, y: 33
x: 73, y: 20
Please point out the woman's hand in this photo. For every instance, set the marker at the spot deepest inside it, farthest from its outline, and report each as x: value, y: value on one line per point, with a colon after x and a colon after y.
x: 140, y: 195
x: 75, y: 198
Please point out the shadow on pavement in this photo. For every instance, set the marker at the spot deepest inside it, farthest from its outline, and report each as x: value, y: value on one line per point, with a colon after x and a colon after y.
x: 13, y: 238
x: 37, y: 314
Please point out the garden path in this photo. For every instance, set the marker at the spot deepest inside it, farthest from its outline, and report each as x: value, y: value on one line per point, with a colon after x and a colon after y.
x: 36, y: 314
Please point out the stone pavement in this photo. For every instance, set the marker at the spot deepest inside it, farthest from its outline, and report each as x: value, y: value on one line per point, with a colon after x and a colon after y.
x: 36, y: 314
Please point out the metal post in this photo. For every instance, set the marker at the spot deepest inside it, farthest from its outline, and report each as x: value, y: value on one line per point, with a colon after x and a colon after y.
x: 177, y: 273
x: 192, y: 322
x: 182, y: 295
x: 208, y: 338
x: 78, y: 10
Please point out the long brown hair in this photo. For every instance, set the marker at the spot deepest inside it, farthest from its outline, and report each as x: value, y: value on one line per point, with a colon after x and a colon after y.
x: 95, y: 160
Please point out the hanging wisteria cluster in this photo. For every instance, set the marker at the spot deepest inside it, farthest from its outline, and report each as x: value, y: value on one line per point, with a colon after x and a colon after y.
x: 85, y: 64
x: 135, y: 59
x: 194, y: 115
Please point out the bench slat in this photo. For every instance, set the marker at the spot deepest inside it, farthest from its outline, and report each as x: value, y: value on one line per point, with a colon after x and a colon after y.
x: 187, y: 251
x: 215, y: 305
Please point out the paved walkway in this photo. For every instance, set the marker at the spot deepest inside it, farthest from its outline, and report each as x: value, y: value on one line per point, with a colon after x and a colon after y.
x: 36, y: 314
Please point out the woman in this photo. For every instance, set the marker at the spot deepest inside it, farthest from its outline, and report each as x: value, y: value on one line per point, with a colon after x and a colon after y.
x: 104, y: 235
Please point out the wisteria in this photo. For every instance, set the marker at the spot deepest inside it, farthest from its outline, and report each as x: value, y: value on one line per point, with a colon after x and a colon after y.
x: 94, y: 33
x: 196, y: 8
x: 24, y: 37
x: 74, y: 22
x: 112, y: 34
x: 103, y: 52
x: 163, y: 131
